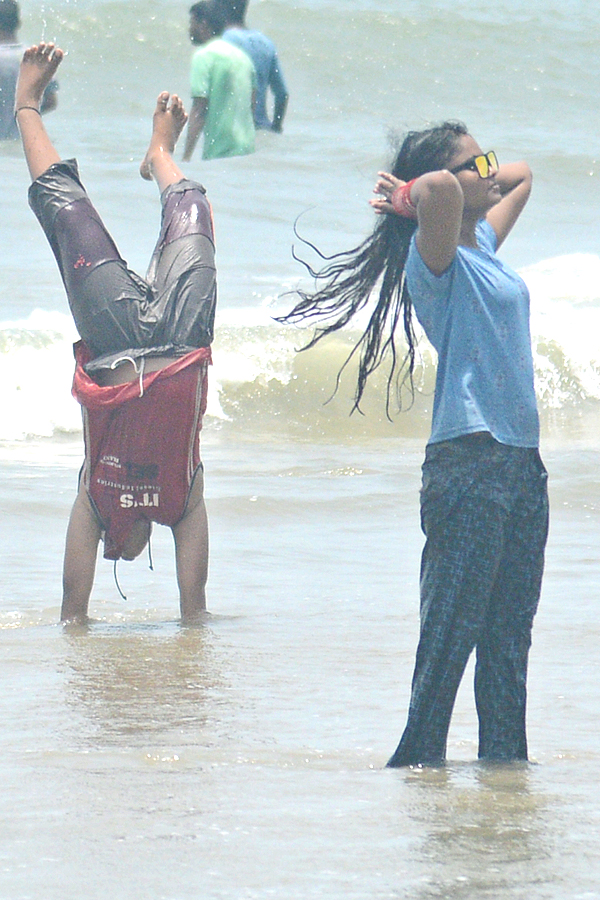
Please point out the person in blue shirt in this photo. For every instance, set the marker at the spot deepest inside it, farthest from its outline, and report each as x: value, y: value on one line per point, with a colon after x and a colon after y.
x: 11, y: 53
x: 263, y: 54
x: 444, y: 210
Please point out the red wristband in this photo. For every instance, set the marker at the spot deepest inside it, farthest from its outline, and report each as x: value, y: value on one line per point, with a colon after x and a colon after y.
x: 400, y: 200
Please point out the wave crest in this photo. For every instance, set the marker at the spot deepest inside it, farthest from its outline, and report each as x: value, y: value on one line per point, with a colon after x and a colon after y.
x: 260, y: 383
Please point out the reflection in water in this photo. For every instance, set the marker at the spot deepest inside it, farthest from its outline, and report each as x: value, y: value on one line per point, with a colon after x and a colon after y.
x: 484, y: 827
x: 142, y: 683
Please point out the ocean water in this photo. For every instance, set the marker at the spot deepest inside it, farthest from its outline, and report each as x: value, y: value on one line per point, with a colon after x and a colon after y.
x: 245, y: 759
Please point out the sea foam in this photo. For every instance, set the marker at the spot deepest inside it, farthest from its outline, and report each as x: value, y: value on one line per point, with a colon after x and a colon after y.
x: 258, y: 376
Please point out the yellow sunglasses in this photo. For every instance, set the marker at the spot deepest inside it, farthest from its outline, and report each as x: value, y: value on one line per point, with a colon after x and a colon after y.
x: 481, y: 164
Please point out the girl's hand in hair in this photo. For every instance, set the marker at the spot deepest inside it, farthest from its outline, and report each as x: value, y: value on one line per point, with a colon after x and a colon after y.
x: 385, y: 187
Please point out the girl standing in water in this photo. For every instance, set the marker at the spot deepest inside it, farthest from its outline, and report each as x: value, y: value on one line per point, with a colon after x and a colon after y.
x: 444, y: 210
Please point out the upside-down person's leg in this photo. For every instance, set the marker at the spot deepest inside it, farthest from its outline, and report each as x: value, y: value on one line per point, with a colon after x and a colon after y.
x: 167, y: 124
x: 38, y: 67
x: 81, y: 550
x: 191, y: 553
x: 107, y: 301
x: 182, y: 270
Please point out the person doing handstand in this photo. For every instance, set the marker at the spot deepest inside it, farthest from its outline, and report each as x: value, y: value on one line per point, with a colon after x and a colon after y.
x: 141, y: 363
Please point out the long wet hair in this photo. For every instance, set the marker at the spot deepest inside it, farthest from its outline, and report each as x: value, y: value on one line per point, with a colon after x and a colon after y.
x: 345, y: 284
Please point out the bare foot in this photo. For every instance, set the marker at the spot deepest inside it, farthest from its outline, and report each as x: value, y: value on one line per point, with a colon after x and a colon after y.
x: 38, y: 67
x: 167, y: 124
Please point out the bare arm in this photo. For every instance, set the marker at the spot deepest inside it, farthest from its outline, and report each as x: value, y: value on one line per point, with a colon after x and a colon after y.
x: 83, y: 536
x: 279, y: 111
x: 515, y: 181
x: 196, y: 122
x: 191, y: 553
x: 280, y: 96
x: 439, y: 201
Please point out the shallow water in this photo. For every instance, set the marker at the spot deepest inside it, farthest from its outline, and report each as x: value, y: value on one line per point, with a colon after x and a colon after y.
x: 244, y: 758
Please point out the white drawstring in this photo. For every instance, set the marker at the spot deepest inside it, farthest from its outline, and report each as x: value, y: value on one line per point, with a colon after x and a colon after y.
x: 139, y: 372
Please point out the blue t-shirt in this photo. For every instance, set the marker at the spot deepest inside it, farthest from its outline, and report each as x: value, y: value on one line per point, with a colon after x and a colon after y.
x: 263, y: 54
x: 476, y: 315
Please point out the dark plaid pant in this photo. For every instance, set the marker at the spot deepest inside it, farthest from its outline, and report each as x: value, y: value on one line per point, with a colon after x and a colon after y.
x: 484, y: 511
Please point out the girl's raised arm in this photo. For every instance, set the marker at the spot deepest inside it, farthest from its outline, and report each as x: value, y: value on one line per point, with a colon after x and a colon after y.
x: 435, y: 200
x: 515, y: 185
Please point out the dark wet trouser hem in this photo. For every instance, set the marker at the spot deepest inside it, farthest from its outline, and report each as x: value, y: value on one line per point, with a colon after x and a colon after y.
x: 398, y: 761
